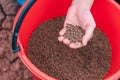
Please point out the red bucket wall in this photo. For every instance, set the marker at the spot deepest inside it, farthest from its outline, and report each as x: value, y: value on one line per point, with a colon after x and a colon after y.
x: 105, y: 12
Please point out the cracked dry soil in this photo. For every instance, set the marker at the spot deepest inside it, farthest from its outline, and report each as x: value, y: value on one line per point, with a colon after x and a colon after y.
x: 11, y: 67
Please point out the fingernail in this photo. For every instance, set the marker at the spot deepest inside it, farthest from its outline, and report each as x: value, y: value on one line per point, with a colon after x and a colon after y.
x: 60, y: 38
x: 66, y: 41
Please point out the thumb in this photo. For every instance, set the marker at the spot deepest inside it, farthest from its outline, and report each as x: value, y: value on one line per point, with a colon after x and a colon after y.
x: 88, y: 35
x: 63, y: 30
x: 67, y: 21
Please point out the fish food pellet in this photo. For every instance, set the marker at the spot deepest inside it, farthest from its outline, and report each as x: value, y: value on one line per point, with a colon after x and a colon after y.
x: 63, y: 63
x: 74, y: 33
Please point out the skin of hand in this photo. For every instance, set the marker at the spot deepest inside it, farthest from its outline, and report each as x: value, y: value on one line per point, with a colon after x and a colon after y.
x: 79, y: 14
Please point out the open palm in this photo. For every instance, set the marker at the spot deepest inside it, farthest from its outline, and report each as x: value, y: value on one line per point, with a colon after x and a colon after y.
x: 82, y: 18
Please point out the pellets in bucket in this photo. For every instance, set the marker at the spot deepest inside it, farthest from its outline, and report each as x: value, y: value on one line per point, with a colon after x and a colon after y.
x: 74, y: 33
x: 63, y: 63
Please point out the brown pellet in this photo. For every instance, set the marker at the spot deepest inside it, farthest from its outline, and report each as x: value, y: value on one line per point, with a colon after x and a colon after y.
x: 63, y: 63
x: 74, y: 33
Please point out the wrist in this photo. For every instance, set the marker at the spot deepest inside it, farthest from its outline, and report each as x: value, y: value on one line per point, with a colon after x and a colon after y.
x: 82, y: 4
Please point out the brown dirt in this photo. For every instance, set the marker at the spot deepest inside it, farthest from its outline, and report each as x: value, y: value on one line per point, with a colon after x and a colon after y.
x: 11, y: 67
x: 59, y: 61
x: 74, y: 33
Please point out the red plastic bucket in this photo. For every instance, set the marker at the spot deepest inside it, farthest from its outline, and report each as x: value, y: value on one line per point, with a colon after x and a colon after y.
x: 34, y: 12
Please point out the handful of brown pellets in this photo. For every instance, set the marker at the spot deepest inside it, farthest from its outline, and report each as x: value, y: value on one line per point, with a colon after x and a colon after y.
x: 74, y: 33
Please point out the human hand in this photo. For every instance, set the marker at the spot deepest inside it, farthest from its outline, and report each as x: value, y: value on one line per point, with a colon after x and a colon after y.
x: 81, y: 16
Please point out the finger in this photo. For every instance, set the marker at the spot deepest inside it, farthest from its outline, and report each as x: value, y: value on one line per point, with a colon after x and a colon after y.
x: 70, y: 19
x: 75, y: 45
x: 88, y: 35
x: 66, y: 41
x: 60, y: 38
x: 62, y: 32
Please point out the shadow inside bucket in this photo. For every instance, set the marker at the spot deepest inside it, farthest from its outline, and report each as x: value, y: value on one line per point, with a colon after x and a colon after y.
x: 118, y: 1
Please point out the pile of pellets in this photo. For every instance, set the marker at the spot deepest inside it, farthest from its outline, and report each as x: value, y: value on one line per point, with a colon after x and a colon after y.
x: 63, y: 63
x: 74, y: 33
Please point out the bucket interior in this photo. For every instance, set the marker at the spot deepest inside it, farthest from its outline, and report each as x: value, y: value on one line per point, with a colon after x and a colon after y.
x: 105, y: 12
